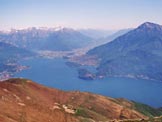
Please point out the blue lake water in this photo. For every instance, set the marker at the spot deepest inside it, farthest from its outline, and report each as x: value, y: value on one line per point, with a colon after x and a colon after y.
x: 55, y: 73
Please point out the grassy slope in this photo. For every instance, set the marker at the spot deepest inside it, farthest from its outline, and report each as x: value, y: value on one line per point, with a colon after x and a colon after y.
x: 22, y: 100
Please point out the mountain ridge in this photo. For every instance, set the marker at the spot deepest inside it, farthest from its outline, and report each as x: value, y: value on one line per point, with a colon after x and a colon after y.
x: 126, y: 55
x: 23, y: 99
x: 57, y: 39
x: 151, y: 25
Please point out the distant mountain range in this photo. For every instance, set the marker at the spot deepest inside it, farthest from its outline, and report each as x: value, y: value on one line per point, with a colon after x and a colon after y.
x: 59, y: 38
x: 117, y: 34
x: 18, y: 44
x: 23, y: 100
x: 111, y: 37
x: 55, y: 39
x: 96, y: 33
x: 135, y: 54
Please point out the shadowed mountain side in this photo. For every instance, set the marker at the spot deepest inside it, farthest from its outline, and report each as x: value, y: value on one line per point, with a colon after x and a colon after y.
x: 135, y: 54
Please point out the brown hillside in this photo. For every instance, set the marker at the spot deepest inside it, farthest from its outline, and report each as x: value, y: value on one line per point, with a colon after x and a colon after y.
x: 22, y: 100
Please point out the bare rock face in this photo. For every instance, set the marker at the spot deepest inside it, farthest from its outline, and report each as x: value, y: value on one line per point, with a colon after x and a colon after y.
x: 26, y: 101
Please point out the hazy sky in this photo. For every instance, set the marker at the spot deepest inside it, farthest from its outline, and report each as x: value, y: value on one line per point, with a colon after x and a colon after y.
x: 99, y: 14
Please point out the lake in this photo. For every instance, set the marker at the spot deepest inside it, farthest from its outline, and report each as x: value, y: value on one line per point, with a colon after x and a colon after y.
x: 55, y: 73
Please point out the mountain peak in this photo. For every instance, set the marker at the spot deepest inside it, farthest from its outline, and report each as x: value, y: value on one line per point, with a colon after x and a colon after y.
x: 149, y: 25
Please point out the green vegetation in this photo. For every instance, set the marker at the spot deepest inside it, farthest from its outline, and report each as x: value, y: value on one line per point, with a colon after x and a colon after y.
x: 158, y: 119
x: 23, y: 82
x: 81, y: 112
x: 89, y: 115
x: 85, y: 120
x: 18, y: 81
x: 147, y: 110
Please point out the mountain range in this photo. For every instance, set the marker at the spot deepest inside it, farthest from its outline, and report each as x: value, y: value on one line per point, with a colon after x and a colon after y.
x: 111, y: 37
x: 135, y: 54
x: 96, y: 33
x: 23, y: 100
x: 55, y: 39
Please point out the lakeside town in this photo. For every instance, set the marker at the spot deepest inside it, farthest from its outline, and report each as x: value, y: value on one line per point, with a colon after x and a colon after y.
x: 8, y: 73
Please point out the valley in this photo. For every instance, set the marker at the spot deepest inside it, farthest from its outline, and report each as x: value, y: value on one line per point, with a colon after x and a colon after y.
x: 83, y: 71
x: 80, y: 61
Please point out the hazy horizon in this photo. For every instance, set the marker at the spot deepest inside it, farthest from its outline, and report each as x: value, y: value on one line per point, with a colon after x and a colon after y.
x: 81, y: 14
